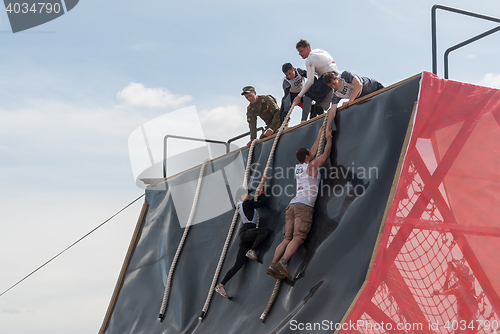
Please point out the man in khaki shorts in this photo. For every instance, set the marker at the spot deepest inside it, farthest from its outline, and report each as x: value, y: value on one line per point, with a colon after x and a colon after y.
x: 299, y: 212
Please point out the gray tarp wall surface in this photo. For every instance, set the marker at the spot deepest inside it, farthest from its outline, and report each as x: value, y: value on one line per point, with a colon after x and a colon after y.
x: 329, y: 268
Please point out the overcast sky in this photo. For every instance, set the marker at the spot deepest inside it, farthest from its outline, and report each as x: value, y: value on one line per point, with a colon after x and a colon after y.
x: 74, y: 89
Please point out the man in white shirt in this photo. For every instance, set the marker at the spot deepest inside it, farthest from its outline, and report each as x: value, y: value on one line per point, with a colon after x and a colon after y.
x: 299, y: 212
x: 318, y: 62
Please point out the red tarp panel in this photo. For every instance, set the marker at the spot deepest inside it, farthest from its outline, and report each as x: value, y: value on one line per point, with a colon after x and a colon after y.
x: 436, y: 270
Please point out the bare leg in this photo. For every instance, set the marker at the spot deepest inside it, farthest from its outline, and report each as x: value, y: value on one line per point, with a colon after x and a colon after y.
x: 280, y: 250
x: 292, y: 247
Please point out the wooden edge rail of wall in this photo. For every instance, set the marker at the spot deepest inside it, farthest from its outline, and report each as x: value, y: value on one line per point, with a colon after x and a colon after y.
x: 395, y: 182
x: 126, y: 262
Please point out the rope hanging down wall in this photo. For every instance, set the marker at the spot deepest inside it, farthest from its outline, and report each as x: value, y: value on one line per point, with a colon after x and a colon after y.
x: 229, y: 236
x: 163, y: 308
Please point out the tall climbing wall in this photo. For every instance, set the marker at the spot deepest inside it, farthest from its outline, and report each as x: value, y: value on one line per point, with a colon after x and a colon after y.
x: 433, y: 262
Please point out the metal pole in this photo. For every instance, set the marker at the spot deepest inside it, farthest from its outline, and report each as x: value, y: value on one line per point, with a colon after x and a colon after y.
x: 434, y: 29
x: 434, y: 40
x: 241, y: 136
x: 453, y: 48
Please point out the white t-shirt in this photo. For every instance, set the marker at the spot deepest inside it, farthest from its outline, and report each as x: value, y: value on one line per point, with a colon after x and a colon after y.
x: 346, y: 88
x: 307, y: 186
x: 345, y: 91
x: 296, y: 83
x: 319, y: 62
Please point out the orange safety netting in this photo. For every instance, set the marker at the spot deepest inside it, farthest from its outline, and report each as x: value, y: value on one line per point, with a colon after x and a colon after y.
x: 436, y: 269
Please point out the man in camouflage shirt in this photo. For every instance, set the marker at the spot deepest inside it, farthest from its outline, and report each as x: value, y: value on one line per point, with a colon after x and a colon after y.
x: 266, y: 108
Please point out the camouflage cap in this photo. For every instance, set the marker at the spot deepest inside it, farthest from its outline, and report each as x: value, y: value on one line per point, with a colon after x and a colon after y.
x: 248, y: 89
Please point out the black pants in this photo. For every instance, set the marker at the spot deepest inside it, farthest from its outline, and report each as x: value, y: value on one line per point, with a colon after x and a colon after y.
x: 250, y: 237
x: 319, y: 90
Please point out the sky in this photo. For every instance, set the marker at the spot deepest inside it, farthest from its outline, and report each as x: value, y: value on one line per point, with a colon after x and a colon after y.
x: 73, y: 90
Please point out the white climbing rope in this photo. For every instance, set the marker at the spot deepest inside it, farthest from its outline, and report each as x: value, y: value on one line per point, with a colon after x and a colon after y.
x: 228, y: 237
x: 322, y: 137
x: 271, y: 300
x: 282, y: 128
x: 163, y: 308
x: 249, y: 162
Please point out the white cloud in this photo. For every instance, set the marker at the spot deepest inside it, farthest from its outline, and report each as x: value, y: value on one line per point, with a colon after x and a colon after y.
x: 137, y: 95
x: 224, y: 122
x: 491, y: 80
x: 224, y: 119
x: 46, y: 124
x: 51, y: 142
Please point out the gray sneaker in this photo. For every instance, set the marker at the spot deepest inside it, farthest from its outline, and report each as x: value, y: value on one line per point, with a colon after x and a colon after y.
x: 252, y: 255
x: 220, y: 289
x: 282, y: 266
x: 274, y: 272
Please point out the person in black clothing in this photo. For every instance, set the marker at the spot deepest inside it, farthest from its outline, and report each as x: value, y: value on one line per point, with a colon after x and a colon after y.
x: 250, y: 236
